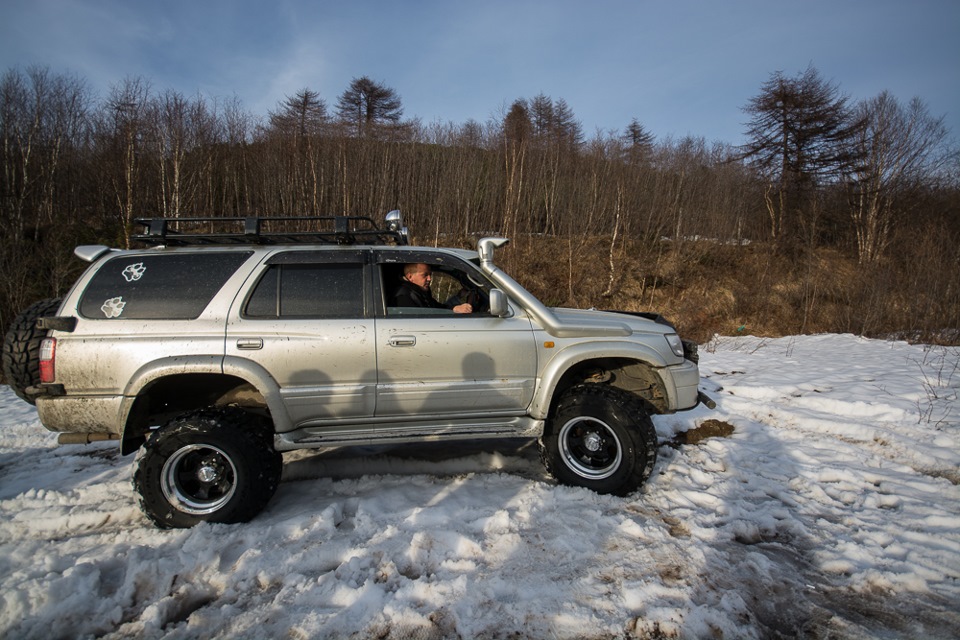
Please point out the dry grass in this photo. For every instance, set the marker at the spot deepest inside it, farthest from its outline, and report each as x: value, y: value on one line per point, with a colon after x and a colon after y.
x: 707, y: 288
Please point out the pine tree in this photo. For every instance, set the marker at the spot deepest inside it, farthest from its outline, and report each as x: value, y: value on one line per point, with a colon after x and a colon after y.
x: 367, y: 105
x: 301, y: 114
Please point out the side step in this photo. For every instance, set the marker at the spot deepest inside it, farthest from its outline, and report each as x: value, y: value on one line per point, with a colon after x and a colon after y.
x: 389, y: 433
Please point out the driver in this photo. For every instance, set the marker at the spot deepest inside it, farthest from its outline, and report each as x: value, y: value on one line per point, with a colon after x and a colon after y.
x: 414, y: 290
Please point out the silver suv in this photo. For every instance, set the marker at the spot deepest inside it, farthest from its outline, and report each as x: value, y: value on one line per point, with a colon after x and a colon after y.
x: 231, y: 340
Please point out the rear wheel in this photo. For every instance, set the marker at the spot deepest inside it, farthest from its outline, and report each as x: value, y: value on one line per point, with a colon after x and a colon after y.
x: 212, y: 465
x: 601, y: 438
x: 21, y: 348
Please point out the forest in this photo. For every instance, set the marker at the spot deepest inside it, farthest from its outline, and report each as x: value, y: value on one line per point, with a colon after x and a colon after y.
x: 835, y: 216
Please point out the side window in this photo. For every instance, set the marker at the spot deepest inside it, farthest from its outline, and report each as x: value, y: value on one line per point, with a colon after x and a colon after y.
x: 449, y: 287
x: 308, y: 291
x: 175, y: 286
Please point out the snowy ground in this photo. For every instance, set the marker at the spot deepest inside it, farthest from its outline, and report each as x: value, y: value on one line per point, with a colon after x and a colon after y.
x: 833, y: 510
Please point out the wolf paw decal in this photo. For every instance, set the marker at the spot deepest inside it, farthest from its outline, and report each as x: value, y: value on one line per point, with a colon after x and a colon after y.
x: 113, y: 307
x: 134, y: 272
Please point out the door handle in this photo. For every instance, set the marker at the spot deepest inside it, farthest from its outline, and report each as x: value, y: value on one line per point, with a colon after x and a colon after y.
x: 250, y: 343
x: 402, y: 341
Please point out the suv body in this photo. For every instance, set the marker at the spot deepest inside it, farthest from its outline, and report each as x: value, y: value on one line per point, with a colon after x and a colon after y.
x: 299, y: 332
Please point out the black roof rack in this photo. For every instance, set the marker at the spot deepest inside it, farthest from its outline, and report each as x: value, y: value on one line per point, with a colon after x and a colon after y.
x: 343, y: 230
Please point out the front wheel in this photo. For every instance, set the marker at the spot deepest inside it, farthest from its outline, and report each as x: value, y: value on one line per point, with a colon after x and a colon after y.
x: 601, y: 438
x: 213, y: 465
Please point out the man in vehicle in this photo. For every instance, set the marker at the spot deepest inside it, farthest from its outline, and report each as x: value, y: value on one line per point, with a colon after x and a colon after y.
x: 414, y: 290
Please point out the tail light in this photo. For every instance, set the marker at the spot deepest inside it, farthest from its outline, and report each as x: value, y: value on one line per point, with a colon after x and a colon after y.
x: 48, y: 349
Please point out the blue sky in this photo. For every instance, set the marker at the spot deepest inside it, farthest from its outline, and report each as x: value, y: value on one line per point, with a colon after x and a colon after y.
x: 679, y: 67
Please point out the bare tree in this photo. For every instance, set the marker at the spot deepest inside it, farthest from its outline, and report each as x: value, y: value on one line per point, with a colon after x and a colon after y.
x: 902, y: 147
x: 128, y: 103
x: 42, y: 138
x: 237, y: 127
x: 471, y: 134
x: 181, y: 136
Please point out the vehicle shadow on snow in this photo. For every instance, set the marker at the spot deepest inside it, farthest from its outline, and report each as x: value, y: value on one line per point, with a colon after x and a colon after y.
x: 517, y: 456
x: 494, y: 521
x: 412, y: 532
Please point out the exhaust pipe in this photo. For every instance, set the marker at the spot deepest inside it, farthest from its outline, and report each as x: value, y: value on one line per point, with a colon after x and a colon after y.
x: 85, y: 438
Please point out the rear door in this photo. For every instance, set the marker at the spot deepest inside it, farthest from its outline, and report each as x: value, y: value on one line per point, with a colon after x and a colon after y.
x: 306, y: 320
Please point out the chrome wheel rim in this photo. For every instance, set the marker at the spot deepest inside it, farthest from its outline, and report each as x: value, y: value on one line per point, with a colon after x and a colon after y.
x: 590, y: 448
x: 198, y: 479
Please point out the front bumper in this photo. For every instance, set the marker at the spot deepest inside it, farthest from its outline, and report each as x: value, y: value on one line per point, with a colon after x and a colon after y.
x: 684, y: 392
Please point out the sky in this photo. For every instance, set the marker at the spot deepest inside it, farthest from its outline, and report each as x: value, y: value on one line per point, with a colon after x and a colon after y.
x: 680, y: 68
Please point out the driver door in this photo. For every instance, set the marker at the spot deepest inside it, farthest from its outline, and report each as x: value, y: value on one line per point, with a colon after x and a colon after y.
x: 437, y: 363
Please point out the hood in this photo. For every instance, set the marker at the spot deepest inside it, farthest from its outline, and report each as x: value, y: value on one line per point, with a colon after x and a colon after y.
x: 638, y: 323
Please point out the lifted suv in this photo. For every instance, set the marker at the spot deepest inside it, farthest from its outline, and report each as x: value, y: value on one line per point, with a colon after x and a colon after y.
x: 232, y: 340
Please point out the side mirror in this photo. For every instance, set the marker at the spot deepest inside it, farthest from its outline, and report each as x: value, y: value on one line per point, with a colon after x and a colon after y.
x: 498, y: 303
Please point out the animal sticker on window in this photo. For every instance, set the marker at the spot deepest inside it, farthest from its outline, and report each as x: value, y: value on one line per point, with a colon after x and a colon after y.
x: 134, y: 272
x: 113, y: 307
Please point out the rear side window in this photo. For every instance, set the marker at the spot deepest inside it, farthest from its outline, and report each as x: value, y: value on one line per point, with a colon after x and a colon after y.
x: 161, y: 287
x: 308, y: 291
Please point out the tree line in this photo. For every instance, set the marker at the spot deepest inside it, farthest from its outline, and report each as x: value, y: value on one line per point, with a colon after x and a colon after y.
x: 868, y: 180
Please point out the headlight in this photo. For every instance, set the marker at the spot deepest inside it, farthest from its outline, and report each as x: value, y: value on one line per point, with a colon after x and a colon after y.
x: 676, y: 344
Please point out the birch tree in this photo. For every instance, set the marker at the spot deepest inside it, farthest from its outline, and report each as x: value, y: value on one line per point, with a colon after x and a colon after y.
x: 902, y: 147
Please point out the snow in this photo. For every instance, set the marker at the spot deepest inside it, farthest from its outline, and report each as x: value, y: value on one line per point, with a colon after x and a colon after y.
x: 832, y: 510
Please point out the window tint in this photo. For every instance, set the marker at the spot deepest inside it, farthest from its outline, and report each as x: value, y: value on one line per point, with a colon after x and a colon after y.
x: 309, y: 291
x: 159, y: 287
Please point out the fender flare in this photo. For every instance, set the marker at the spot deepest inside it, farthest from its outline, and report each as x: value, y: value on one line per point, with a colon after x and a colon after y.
x: 562, y: 361
x: 265, y: 384
x: 241, y: 368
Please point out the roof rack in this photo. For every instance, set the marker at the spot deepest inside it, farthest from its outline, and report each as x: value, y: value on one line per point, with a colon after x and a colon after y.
x: 343, y: 230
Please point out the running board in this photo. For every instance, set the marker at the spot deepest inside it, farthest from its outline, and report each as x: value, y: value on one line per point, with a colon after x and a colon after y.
x: 405, y: 432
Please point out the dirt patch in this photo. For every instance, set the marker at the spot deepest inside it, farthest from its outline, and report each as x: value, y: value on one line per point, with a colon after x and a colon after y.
x: 707, y: 429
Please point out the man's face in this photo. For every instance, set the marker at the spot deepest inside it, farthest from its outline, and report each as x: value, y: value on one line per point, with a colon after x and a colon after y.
x: 421, y: 277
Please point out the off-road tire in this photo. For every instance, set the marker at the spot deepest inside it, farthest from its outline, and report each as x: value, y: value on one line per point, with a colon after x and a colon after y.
x: 601, y: 438
x: 21, y: 348
x: 210, y: 465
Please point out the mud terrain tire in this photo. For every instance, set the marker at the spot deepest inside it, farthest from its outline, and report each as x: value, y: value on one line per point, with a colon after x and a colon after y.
x: 600, y: 438
x: 21, y: 348
x: 211, y: 465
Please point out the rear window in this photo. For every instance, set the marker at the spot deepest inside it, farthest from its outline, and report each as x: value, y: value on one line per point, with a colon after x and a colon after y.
x: 160, y: 287
x: 308, y: 291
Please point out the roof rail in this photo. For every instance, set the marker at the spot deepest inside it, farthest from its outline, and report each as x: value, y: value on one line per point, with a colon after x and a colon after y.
x: 344, y: 230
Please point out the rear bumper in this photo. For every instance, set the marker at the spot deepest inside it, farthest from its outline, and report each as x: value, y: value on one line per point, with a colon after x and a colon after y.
x: 81, y: 414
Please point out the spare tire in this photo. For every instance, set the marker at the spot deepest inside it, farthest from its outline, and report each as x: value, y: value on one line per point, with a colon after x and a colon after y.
x: 21, y: 347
